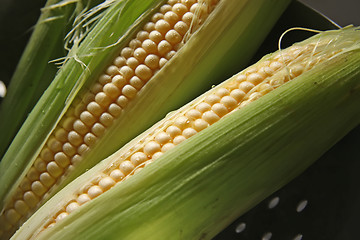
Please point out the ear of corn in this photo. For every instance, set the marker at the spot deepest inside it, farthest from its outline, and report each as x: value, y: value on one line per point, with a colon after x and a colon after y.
x: 246, y: 148
x: 107, y: 91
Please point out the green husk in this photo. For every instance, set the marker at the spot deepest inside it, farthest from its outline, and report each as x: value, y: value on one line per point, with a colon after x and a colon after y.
x: 211, y: 53
x: 196, y: 189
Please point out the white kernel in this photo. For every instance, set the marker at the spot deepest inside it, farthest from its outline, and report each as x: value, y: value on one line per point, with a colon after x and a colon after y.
x: 165, y: 8
x: 80, y: 127
x: 203, y: 107
x: 94, y: 191
x: 162, y: 138
x: 90, y: 139
x: 255, y: 78
x: 143, y: 72
x: 38, y: 188
x: 61, y: 159
x: 61, y: 135
x: 162, y: 26
x: 76, y: 159
x: 212, y: 99
x: 173, y: 37
x: 117, y: 175
x: 151, y: 147
x: 246, y: 86
x: 193, y: 114
x: 254, y: 96
x: 95, y: 109
x: 68, y: 123
x: 83, y: 148
x: 21, y: 207
x: 149, y: 46
x: 106, y: 119
x: 122, y: 101
x: 210, y: 117
x: 135, y: 43
x: 127, y: 72
x: 181, y: 28
x: 72, y: 207
x: 152, y: 61
x: 275, y: 65
x: 54, y: 169
x: 156, y: 156
x: 138, y: 158
x: 157, y: 17
x: 171, y: 17
x: 221, y: 92
x: 132, y: 62
x: 87, y: 118
x: 156, y: 36
x: 229, y: 102
x: 111, y: 90
x: 74, y: 138
x: 119, y: 81
x: 136, y: 82
x: 179, y: 9
x: 46, y: 179
x: 173, y: 131
x: 61, y: 216
x: 200, y: 124
x: 167, y: 147
x: 98, y: 129
x: 129, y: 91
x: 31, y: 199
x: 162, y: 62
x: 150, y: 26
x: 69, y: 149
x: 187, y: 18
x: 219, y: 109
x: 181, y: 122
x: 140, y: 54
x: 237, y: 94
x: 104, y: 78
x: 106, y: 183
x: 164, y: 47
x: 102, y: 99
x: 170, y: 54
x: 189, y: 132
x: 126, y: 167
x: 178, y: 139
x: 126, y: 52
x: 112, y: 70
x: 240, y: 78
x: 114, y: 110
x: 83, y: 198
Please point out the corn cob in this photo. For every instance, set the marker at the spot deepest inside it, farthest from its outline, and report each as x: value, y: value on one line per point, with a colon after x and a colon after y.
x: 183, y: 170
x: 91, y: 115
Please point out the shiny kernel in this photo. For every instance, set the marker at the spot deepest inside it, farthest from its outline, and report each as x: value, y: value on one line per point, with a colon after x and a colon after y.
x: 72, y: 207
x: 240, y: 78
x: 156, y: 17
x: 212, y: 99
x: 237, y: 94
x: 119, y: 62
x: 69, y: 149
x: 219, y: 109
x: 156, y: 156
x: 155, y: 36
x: 178, y: 139
x: 112, y: 70
x: 12, y: 216
x: 106, y: 183
x: 187, y: 18
x: 188, y: 3
x: 138, y: 158
x: 90, y: 139
x: 54, y: 144
x: 179, y: 9
x: 21, y: 207
x: 54, y: 169
x: 246, y: 86
x: 162, y: 62
x: 114, y: 110
x: 189, y: 132
x: 210, y: 117
x: 75, y: 138
x: 61, y: 216
x: 38, y: 188
x: 80, y: 127
x: 181, y: 122
x: 150, y: 26
x: 111, y: 90
x: 126, y: 167
x: 132, y: 62
x: 151, y: 148
x: 119, y: 81
x: 173, y: 37
x: 129, y: 91
x: 164, y: 47
x: 40, y: 165
x: 203, y: 107
x: 173, y: 131
x: 136, y: 82
x: 229, y: 102
x: 181, y: 27
x: 265, y: 88
x: 275, y: 65
x: 172, y: 2
x: 94, y: 191
x: 135, y: 43
x: 193, y: 114
x: 98, y: 129
x: 33, y: 174
x: 46, y: 179
x: 152, y: 61
x: 165, y: 8
x: 221, y: 92
x: 149, y: 46
x: 140, y: 54
x: 61, y: 159
x: 127, y: 52
x: 83, y: 148
x: 95, y: 109
x: 76, y: 159
x: 102, y: 99
x: 31, y: 199
x: 117, y: 175
x: 167, y: 147
x: 296, y: 70
x: 61, y: 135
x: 170, y: 54
x: 162, y: 26
x: 162, y: 137
x: 255, y: 78
x: 104, y: 78
x: 106, y: 119
x: 143, y: 72
x: 83, y: 198
x: 122, y: 101
x: 171, y: 17
x: 127, y: 72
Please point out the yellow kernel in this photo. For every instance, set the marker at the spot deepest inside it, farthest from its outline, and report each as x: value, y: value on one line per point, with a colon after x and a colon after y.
x: 178, y: 139
x: 150, y: 26
x: 119, y: 81
x: 46, y: 179
x: 83, y: 198
x: 181, y: 27
x: 219, y: 109
x: 112, y: 70
x: 76, y: 159
x: 255, y: 78
x: 162, y: 62
x: 167, y: 147
x: 254, y: 96
x: 165, y: 8
x: 68, y: 123
x: 157, y: 17
x: 171, y: 17
x: 18, y: 194
x: 80, y: 127
x: 210, y: 117
x: 151, y: 148
x: 203, y: 107
x: 237, y: 94
x: 143, y: 72
x: 94, y: 191
x: 87, y: 118
x: 54, y: 144
x: 187, y: 18
x: 127, y: 52
x: 149, y: 46
x: 173, y: 131
x: 61, y: 216
x: 246, y: 86
x: 90, y: 139
x: 111, y: 90
x: 126, y: 72
x: 12, y: 216
x: 98, y: 129
x: 193, y: 114
x: 61, y: 159
x: 162, y: 26
x: 106, y: 119
x: 104, y: 78
x: 221, y: 92
x: 212, y: 99
x: 72, y: 207
x: 132, y: 62
x: 129, y: 91
x: 81, y: 107
x: 275, y: 65
x: 68, y: 149
x: 97, y: 87
x: 21, y: 207
x: 164, y: 47
x: 135, y: 43
x: 33, y: 174
x: 229, y: 102
x: 155, y: 156
x: 155, y: 36
x: 54, y: 169
x: 179, y: 9
x: 170, y: 54
x: 75, y: 138
x: 119, y: 62
x: 265, y: 88
x: 46, y: 154
x: 61, y: 135
x: 106, y: 183
x: 25, y: 184
x: 114, y: 110
x: 181, y: 122
x: 240, y: 78
x: 138, y: 158
x: 117, y: 175
x: 162, y: 138
x: 296, y: 70
x: 31, y: 199
x: 140, y: 54
x: 189, y: 132
x: 38, y: 188
x: 172, y: 2
x: 152, y: 61
x: 102, y: 99
x: 136, y: 82
x: 126, y: 167
x: 83, y: 148
x: 40, y: 165
x: 188, y: 3
x: 173, y: 37
x: 122, y: 101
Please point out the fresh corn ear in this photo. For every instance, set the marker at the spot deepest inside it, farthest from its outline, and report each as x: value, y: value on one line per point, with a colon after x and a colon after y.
x: 195, y: 171
x: 114, y: 86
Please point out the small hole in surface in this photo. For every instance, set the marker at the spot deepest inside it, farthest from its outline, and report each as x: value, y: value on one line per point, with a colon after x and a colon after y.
x: 267, y: 236
x: 298, y: 237
x: 240, y: 227
x: 273, y: 202
x: 301, y: 205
